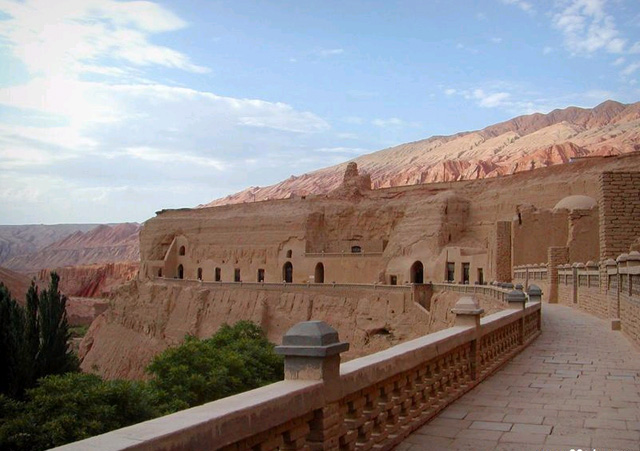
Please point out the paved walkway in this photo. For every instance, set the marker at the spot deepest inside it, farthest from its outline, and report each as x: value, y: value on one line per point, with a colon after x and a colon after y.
x: 577, y: 386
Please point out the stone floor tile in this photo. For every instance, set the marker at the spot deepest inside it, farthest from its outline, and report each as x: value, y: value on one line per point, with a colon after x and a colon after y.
x: 491, y: 426
x: 523, y: 418
x: 522, y: 437
x: 532, y: 428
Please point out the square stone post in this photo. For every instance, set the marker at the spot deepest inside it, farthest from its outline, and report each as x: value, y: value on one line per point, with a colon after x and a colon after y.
x: 311, y: 351
x: 613, y: 295
x: 468, y: 312
x: 517, y: 300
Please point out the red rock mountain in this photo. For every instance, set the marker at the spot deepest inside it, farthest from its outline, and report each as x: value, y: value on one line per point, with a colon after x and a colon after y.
x: 17, y: 283
x: 101, y: 244
x: 520, y: 144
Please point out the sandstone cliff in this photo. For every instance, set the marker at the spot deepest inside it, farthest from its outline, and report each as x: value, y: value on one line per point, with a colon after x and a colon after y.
x: 88, y: 281
x: 147, y: 317
x: 520, y: 144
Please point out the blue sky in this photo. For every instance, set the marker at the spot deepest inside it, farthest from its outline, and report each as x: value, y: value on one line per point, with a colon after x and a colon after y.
x: 111, y: 110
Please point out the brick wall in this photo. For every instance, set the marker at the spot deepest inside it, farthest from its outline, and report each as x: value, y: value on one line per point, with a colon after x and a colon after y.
x: 503, y: 251
x: 619, y: 205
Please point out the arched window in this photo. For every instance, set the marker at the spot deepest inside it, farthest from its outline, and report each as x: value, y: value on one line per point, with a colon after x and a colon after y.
x: 260, y: 275
x: 319, y: 273
x: 160, y: 272
x: 287, y: 272
x: 199, y: 273
x: 289, y: 253
x: 182, y: 250
x: 236, y: 275
x: 180, y: 272
x: 218, y: 275
x: 356, y: 249
x: 417, y: 272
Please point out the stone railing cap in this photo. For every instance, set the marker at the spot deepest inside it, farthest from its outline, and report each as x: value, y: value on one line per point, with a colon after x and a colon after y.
x: 467, y: 306
x: 516, y: 296
x: 311, y: 338
x: 534, y: 290
x: 519, y: 286
x: 580, y: 265
x: 634, y: 256
x: 610, y: 262
x: 622, y: 258
x: 591, y: 264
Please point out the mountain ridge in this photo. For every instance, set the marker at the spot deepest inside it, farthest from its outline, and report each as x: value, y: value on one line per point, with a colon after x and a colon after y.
x: 521, y: 143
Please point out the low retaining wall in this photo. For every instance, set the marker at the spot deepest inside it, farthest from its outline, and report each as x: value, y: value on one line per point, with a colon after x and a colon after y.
x: 374, y: 401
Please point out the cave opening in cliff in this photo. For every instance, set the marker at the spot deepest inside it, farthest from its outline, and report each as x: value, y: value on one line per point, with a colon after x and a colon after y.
x: 287, y: 272
x: 319, y: 273
x: 180, y: 272
x: 417, y: 272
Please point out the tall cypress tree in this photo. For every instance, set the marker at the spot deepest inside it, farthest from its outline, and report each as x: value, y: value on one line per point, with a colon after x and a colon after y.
x: 31, y: 334
x: 13, y: 368
x: 54, y: 355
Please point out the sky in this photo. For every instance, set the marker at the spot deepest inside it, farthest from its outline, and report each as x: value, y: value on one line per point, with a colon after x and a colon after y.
x: 113, y: 110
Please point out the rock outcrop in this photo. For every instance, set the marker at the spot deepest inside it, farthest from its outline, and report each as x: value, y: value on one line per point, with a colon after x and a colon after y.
x: 520, y: 144
x: 90, y: 281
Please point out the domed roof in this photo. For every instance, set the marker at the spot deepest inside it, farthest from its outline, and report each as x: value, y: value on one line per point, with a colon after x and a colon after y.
x: 577, y: 202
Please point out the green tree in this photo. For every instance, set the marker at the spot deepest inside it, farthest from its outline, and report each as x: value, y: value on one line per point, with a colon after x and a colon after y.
x: 70, y: 407
x: 236, y: 359
x: 34, y: 340
x: 54, y: 355
x: 14, y: 361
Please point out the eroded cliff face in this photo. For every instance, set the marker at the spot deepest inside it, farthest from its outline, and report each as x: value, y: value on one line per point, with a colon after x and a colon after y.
x: 89, y: 281
x: 147, y: 317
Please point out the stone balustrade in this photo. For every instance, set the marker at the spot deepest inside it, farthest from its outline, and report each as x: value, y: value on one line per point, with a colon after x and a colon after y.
x: 371, y: 402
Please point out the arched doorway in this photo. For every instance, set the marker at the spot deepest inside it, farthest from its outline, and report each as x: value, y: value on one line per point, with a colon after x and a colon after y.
x: 199, y: 273
x: 287, y: 272
x: 319, y: 273
x: 180, y: 272
x: 417, y: 272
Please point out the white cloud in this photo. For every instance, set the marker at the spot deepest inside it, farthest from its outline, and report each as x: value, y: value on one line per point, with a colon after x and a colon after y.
x: 635, y: 48
x: 329, y: 52
x: 630, y: 69
x: 343, y: 150
x: 492, y: 100
x: 72, y: 36
x: 450, y: 91
x: 523, y: 5
x: 173, y: 156
x: 394, y: 122
x: 547, y: 50
x: 496, y: 40
x: 619, y: 61
x: 587, y: 28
